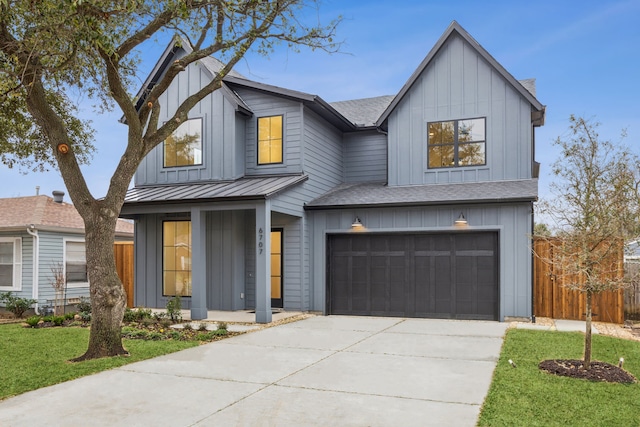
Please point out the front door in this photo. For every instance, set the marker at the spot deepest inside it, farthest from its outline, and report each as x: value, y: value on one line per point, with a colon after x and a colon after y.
x: 276, y: 268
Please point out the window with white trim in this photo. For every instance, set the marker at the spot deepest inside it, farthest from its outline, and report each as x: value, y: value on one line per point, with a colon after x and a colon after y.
x: 75, y: 263
x: 10, y: 263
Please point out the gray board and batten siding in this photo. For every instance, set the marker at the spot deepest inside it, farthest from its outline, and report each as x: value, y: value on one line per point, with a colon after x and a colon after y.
x: 459, y: 83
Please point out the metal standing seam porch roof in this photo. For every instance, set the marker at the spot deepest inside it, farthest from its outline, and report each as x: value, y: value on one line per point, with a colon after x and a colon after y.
x: 240, y: 189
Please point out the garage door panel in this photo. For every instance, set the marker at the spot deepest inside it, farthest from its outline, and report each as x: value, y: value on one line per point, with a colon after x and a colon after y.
x: 420, y: 275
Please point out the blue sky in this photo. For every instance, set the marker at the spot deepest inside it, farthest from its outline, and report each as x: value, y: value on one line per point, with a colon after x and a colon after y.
x: 585, y: 56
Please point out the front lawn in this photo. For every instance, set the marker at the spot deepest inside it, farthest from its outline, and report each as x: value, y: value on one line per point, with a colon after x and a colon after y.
x: 31, y: 358
x: 526, y: 396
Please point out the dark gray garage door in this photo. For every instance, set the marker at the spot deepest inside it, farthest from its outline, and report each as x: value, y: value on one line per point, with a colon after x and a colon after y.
x: 453, y: 275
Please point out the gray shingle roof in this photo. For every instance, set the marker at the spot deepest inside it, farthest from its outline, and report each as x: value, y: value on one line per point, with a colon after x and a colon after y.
x: 530, y: 85
x: 241, y: 189
x: 363, y: 112
x: 379, y: 194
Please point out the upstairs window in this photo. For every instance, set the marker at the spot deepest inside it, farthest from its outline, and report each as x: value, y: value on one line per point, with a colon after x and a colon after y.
x: 457, y: 143
x: 75, y: 263
x: 10, y: 263
x: 184, y: 146
x: 269, y: 140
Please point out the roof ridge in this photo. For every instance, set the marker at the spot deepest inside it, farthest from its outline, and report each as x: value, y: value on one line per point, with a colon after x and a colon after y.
x: 38, y: 212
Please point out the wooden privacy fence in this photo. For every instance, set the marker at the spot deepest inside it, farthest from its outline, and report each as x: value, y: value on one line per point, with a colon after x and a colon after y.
x: 632, y: 293
x: 123, y: 253
x: 553, y: 299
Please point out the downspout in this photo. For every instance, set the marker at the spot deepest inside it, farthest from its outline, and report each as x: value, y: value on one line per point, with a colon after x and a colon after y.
x: 31, y: 229
x: 533, y: 260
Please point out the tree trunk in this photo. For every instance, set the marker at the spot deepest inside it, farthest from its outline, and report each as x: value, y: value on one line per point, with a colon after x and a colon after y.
x: 108, y: 299
x: 587, y: 334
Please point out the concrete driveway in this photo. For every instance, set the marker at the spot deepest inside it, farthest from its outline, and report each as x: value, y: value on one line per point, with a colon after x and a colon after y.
x: 322, y: 371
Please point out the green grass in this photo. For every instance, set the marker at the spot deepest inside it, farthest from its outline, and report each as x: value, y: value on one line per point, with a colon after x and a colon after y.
x: 526, y: 396
x: 35, y: 358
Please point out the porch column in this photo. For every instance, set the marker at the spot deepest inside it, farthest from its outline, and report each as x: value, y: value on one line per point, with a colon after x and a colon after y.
x: 263, y: 262
x: 198, y: 265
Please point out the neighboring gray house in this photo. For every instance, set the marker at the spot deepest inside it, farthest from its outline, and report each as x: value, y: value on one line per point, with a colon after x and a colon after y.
x: 418, y: 204
x: 38, y: 233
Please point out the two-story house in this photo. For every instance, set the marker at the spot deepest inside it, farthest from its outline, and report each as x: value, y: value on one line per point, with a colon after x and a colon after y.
x: 418, y: 204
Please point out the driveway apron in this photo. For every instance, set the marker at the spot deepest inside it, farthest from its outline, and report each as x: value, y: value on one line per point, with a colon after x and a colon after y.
x: 321, y: 371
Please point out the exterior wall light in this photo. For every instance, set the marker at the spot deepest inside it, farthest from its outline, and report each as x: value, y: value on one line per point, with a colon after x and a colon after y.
x: 357, y: 224
x: 461, y: 220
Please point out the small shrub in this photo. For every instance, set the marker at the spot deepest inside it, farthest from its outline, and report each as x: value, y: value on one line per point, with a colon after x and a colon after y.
x: 16, y: 305
x: 147, y: 321
x: 128, y: 315
x: 164, y: 322
x: 137, y: 315
x: 203, y: 336
x: 220, y: 332
x: 187, y: 327
x: 84, y: 316
x: 223, y: 326
x: 174, y: 309
x: 174, y: 335
x: 155, y: 336
x: 69, y: 316
x: 48, y: 319
x: 202, y: 327
x: 160, y: 315
x: 84, y: 306
x: 127, y: 329
x: 58, y: 320
x: 33, y: 321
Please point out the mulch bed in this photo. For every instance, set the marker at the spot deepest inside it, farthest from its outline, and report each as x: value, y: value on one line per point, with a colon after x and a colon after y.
x: 599, y: 371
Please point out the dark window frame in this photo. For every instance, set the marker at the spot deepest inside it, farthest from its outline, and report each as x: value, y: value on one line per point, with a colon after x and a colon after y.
x: 456, y: 144
x: 281, y: 140
x: 162, y: 267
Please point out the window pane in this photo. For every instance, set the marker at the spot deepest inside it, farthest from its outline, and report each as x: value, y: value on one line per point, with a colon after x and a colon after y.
x: 276, y: 151
x: 471, y: 130
x: 6, y: 275
x: 76, y: 262
x: 6, y: 253
x: 169, y: 231
x: 441, y: 133
x: 471, y: 154
x: 276, y: 127
x: 441, y: 156
x: 276, y: 288
x: 184, y: 146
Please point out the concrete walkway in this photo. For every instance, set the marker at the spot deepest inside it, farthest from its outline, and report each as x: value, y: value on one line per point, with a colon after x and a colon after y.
x: 321, y: 371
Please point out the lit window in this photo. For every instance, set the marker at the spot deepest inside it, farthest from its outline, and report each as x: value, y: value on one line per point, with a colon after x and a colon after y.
x: 176, y: 257
x: 184, y: 146
x: 10, y: 263
x: 456, y: 143
x: 269, y: 140
x: 75, y: 263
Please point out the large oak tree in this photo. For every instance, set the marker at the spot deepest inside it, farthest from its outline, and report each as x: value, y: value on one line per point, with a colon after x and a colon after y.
x: 49, y: 48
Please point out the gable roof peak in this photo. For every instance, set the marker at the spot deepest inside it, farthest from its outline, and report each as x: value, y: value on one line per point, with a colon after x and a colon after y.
x: 456, y: 28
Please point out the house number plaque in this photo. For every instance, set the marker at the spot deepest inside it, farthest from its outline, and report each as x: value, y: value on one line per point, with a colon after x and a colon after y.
x: 260, y: 242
